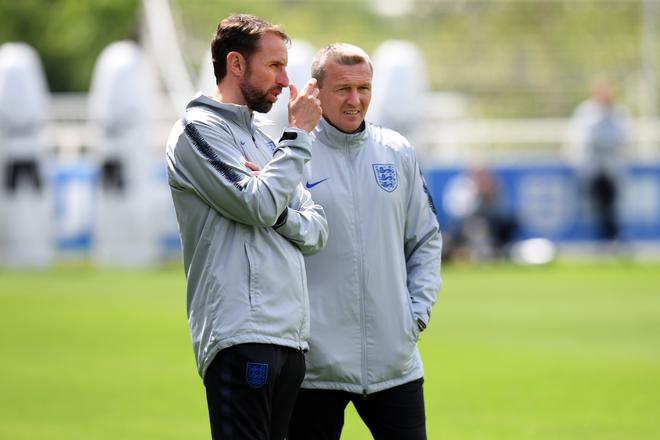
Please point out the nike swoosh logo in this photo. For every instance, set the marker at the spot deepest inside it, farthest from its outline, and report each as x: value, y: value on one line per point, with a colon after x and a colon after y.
x: 313, y: 184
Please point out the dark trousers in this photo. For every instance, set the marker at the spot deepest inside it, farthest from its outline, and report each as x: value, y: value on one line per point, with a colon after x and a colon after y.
x: 393, y: 414
x: 603, y: 193
x: 251, y: 390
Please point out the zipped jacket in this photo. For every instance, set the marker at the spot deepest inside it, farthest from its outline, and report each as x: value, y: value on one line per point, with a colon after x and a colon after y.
x: 243, y: 236
x: 372, y: 287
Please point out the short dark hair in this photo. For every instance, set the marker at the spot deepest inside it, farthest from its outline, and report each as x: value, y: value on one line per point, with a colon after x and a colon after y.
x: 240, y: 33
x: 341, y: 53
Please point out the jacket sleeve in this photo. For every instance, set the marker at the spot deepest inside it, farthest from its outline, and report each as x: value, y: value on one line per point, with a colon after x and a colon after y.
x: 423, y: 249
x: 208, y: 161
x: 305, y: 226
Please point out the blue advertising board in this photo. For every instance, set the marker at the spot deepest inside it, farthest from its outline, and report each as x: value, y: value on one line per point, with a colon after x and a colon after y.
x: 549, y: 201
x: 545, y: 201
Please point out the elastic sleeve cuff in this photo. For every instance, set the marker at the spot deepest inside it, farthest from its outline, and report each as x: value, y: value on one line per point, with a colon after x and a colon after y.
x: 295, y: 136
x: 422, y: 315
x: 298, y: 141
x: 281, y: 220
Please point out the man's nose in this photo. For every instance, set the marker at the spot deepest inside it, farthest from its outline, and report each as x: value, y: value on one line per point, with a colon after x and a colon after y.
x: 282, y: 79
x: 353, y: 97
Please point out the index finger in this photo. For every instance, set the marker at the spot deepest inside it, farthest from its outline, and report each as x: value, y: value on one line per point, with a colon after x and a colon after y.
x: 310, y: 86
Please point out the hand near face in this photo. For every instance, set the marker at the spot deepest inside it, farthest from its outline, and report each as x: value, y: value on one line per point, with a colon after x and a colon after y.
x: 304, y: 107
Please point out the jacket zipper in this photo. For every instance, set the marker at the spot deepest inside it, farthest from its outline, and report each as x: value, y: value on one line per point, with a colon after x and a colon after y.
x: 302, y: 320
x: 358, y: 233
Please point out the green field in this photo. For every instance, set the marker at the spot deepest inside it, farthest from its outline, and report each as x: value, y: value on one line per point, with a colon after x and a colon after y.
x: 559, y: 352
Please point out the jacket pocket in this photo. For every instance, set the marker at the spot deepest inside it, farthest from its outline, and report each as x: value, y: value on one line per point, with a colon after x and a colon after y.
x: 414, y: 328
x: 254, y: 289
x: 213, y: 304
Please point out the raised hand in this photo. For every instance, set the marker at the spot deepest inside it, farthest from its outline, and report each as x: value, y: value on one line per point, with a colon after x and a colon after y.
x: 304, y: 107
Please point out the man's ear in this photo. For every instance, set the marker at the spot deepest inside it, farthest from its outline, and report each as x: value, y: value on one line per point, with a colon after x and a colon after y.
x: 236, y: 64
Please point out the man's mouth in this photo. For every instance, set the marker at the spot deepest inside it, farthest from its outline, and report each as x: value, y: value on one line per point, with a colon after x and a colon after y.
x: 272, y: 95
x: 352, y: 112
x: 275, y: 92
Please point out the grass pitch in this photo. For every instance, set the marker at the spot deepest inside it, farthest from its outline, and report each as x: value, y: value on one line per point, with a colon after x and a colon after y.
x: 558, y: 352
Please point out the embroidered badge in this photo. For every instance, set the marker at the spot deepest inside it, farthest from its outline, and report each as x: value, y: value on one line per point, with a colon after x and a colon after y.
x: 256, y: 374
x: 271, y: 145
x: 386, y: 176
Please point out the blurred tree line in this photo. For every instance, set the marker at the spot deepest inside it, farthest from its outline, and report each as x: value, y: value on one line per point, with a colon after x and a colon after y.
x: 68, y: 34
x: 511, y: 58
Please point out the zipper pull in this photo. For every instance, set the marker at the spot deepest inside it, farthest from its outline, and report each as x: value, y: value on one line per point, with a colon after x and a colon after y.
x: 364, y: 394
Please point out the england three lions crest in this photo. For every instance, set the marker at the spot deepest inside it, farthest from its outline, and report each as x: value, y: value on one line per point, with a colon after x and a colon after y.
x: 386, y: 176
x: 256, y: 374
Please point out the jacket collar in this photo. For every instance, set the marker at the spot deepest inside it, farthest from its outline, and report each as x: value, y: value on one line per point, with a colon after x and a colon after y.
x: 239, y: 114
x: 335, y: 138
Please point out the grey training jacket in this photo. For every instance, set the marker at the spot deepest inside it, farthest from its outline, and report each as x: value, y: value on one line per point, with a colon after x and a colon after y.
x: 245, y: 274
x: 379, y: 272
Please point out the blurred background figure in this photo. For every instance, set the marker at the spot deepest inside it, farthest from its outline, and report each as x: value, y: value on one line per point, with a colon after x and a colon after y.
x: 484, y: 228
x: 599, y: 134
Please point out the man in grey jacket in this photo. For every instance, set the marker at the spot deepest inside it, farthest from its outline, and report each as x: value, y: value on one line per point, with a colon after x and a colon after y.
x: 244, y: 232
x: 372, y: 287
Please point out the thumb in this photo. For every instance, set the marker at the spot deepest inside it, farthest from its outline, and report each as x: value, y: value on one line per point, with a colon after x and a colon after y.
x: 293, y: 92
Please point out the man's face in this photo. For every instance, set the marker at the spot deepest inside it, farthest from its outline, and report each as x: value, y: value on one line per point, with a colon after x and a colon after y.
x: 265, y: 75
x: 345, y: 94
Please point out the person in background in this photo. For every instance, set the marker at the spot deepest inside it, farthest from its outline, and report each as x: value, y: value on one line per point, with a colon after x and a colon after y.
x: 484, y: 228
x: 599, y: 135
x: 374, y: 284
x: 244, y: 232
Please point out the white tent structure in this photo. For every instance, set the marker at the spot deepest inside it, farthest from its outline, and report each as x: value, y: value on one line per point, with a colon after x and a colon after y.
x: 25, y: 194
x: 400, y: 85
x: 120, y: 102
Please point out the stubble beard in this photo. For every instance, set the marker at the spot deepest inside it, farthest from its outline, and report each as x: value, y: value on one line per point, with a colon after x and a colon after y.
x: 255, y: 98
